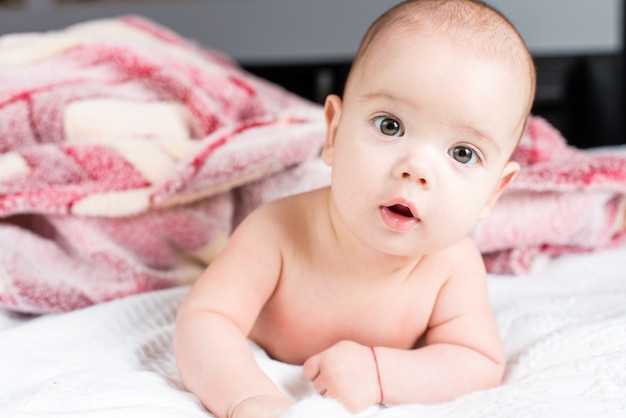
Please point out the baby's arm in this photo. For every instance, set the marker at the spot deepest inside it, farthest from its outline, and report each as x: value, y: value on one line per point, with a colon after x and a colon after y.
x: 462, y: 349
x: 212, y: 353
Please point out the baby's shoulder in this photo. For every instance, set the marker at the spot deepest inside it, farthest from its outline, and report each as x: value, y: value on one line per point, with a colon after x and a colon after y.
x: 465, y: 248
x: 461, y: 259
x: 289, y: 215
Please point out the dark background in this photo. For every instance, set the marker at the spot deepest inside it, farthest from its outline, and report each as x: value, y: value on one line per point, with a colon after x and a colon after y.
x: 582, y: 96
x: 306, y: 45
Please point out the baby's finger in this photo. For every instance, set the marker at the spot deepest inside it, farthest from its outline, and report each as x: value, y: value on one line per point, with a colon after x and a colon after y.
x: 311, y: 368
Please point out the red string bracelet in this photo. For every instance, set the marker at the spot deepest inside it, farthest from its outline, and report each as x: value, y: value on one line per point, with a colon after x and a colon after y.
x: 380, y: 385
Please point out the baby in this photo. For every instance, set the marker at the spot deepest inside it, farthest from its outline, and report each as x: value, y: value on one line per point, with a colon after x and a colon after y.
x: 373, y: 283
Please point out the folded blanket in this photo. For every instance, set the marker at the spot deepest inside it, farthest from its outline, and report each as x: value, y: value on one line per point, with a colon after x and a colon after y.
x: 564, y: 200
x: 128, y: 155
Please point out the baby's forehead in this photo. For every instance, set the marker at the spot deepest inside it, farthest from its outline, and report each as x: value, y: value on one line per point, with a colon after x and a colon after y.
x: 498, y: 44
x: 468, y: 47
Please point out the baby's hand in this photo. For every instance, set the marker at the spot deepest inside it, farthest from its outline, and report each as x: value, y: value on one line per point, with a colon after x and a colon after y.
x: 345, y: 372
x: 263, y: 406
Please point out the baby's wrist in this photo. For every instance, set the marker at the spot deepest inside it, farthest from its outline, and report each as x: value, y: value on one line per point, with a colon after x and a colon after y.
x: 381, y: 392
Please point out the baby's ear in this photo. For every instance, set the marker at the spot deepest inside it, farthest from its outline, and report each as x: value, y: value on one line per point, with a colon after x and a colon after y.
x: 332, y: 112
x: 508, y: 175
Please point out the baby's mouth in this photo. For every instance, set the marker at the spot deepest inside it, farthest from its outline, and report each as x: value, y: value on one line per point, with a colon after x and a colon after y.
x: 400, y: 217
x: 401, y: 210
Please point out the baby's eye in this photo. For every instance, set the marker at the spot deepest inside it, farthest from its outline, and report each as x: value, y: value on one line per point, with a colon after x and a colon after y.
x: 464, y: 155
x: 388, y: 126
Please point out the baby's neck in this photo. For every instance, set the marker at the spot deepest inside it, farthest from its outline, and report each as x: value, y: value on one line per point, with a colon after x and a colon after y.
x: 349, y: 251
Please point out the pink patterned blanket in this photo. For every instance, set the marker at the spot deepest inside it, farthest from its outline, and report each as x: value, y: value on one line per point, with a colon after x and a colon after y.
x: 127, y: 155
x: 564, y: 200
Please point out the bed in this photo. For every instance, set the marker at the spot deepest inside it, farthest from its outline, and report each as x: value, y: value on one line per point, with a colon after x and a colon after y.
x: 564, y: 330
x: 138, y: 151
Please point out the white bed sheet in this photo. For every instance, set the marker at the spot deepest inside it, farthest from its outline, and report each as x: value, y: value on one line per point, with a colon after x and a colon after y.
x: 564, y: 331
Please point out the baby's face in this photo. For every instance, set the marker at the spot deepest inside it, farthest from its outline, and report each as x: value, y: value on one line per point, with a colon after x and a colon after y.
x: 422, y: 141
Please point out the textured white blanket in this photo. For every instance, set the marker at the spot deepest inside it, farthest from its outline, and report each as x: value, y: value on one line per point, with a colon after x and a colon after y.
x: 564, y: 331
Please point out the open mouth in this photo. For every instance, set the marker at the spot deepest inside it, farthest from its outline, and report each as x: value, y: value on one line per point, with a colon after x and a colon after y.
x: 400, y: 217
x: 401, y: 210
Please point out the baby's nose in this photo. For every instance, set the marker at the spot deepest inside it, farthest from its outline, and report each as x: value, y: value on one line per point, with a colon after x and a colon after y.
x: 416, y: 167
x: 420, y: 179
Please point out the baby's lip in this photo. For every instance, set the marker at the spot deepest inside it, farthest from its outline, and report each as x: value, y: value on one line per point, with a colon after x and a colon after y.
x: 400, y: 215
x: 402, y: 207
x: 401, y: 210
